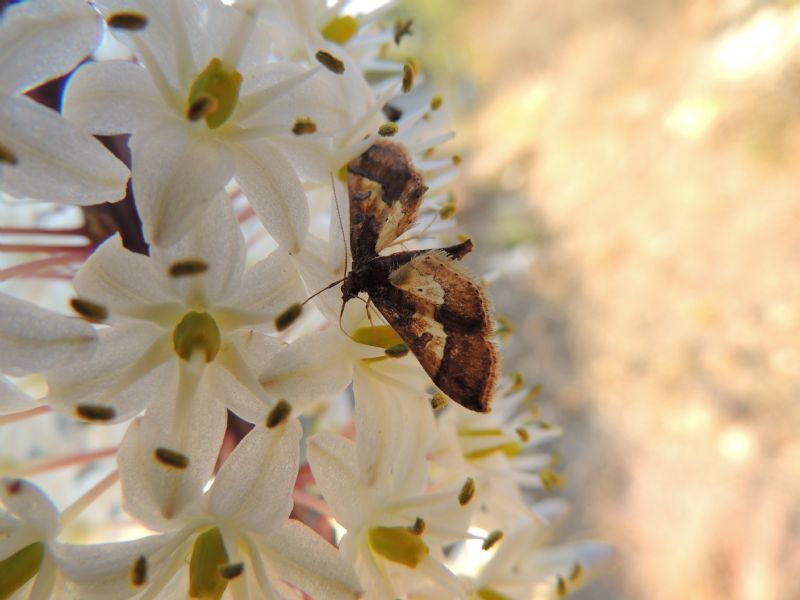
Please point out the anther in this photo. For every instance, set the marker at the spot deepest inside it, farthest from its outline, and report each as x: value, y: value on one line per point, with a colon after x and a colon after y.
x: 504, y: 326
x: 517, y: 381
x: 202, y: 107
x: 330, y: 62
x: 279, y: 414
x: 448, y: 209
x: 340, y: 29
x: 95, y: 412
x: 550, y: 479
x: 231, y: 571
x: 388, y: 129
x: 439, y: 401
x: 139, y: 572
x: 561, y: 587
x: 304, y: 126
x: 396, y: 351
x: 418, y: 528
x: 14, y: 487
x: 436, y: 102
x: 171, y: 458
x: 190, y: 266
x: 490, y: 540
x: 7, y: 156
x: 523, y: 434
x: 409, y: 74
x: 402, y: 28
x: 288, y: 316
x: 391, y: 112
x: 576, y: 573
x: 467, y: 492
x: 127, y: 21
x: 91, y: 311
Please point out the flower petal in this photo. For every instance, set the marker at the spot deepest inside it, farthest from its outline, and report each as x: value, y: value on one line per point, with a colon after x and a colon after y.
x: 28, y: 502
x: 111, y: 97
x: 317, y: 365
x: 34, y: 339
x: 304, y: 559
x: 44, y: 39
x: 54, y: 160
x: 259, y: 499
x: 177, y: 170
x: 275, y: 192
x: 335, y: 467
x: 13, y: 399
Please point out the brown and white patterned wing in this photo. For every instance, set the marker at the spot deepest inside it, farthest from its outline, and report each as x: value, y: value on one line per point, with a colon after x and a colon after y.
x: 439, y: 310
x: 385, y: 192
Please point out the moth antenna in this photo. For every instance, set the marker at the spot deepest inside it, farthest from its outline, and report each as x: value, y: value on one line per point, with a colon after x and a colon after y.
x: 341, y: 225
x: 325, y: 289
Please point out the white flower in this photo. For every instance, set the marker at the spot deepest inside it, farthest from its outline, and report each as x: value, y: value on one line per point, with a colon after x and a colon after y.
x: 204, y: 104
x: 237, y: 534
x: 186, y: 332
x: 43, y: 156
x: 375, y: 488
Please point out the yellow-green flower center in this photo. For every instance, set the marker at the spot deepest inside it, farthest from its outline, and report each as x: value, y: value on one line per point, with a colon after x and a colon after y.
x: 208, y: 560
x: 214, y: 94
x: 197, y: 331
x: 340, y: 29
x: 18, y: 568
x: 398, y: 544
x: 380, y: 336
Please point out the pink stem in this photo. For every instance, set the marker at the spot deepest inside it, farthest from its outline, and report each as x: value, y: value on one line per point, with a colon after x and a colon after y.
x: 41, y: 248
x: 77, y: 458
x: 36, y: 266
x: 25, y: 414
x: 41, y: 230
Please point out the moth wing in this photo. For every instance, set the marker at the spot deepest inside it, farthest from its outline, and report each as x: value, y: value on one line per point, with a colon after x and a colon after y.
x: 385, y: 192
x: 440, y: 311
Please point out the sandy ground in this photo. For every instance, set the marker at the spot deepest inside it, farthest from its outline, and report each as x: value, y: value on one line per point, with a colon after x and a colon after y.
x: 639, y: 162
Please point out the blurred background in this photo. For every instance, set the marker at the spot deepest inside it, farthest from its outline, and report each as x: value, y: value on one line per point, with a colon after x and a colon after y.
x: 631, y: 169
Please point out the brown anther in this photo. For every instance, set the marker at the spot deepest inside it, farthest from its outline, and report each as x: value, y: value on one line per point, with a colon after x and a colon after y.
x: 409, y: 74
x: 418, y: 528
x: 396, y: 351
x: 7, y: 156
x: 436, y: 102
x: 457, y: 159
x: 139, y: 572
x: 439, y: 401
x: 171, y: 458
x: 490, y: 540
x: 95, y: 412
x: 467, y: 492
x: 14, y: 487
x: 231, y: 571
x: 330, y: 62
x: 304, y: 126
x: 279, y: 414
x: 391, y: 112
x: 288, y: 316
x: 202, y: 107
x: 190, y: 266
x: 91, y: 311
x: 523, y: 434
x: 402, y: 28
x: 127, y: 21
x: 388, y: 129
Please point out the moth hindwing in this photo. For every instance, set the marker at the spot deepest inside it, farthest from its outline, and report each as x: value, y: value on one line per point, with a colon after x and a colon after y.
x: 434, y: 305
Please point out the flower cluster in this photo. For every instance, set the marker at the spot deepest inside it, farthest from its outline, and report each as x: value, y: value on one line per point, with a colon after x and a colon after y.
x: 265, y: 446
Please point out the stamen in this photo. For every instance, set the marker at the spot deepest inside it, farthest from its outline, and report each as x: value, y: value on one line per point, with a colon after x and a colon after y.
x: 91, y: 311
x: 19, y: 568
x: 436, y: 102
x: 279, y: 414
x: 398, y: 544
x: 487, y: 593
x: 304, y: 126
x: 95, y: 412
x: 491, y: 539
x: 7, y: 156
x: 388, y: 129
x: 231, y: 571
x: 561, y: 587
x: 467, y: 492
x: 171, y: 458
x: 550, y: 479
x: 214, y: 94
x: 523, y: 434
x: 127, y: 21
x: 288, y: 316
x: 397, y: 351
x: 439, y: 401
x: 505, y: 328
x: 517, y: 381
x: 14, y: 487
x: 576, y: 573
x: 410, y: 70
x: 448, y: 209
x: 191, y: 266
x: 208, y: 559
x: 139, y: 572
x: 402, y: 28
x: 392, y: 112
x: 340, y: 29
x: 457, y: 159
x: 330, y: 62
x: 418, y: 528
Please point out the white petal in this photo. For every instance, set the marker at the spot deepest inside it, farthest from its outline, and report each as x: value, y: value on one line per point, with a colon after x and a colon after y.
x: 55, y: 160
x: 304, y: 559
x: 335, y: 467
x: 275, y: 192
x: 25, y: 500
x: 177, y: 170
x: 315, y: 366
x: 269, y: 287
x: 317, y: 273
x: 118, y: 278
x: 35, y: 339
x: 116, y: 96
x: 259, y: 499
x: 131, y: 367
x: 13, y: 399
x: 44, y: 39
x: 217, y: 240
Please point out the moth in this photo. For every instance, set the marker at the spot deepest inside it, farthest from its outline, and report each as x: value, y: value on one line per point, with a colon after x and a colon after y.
x: 433, y: 304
